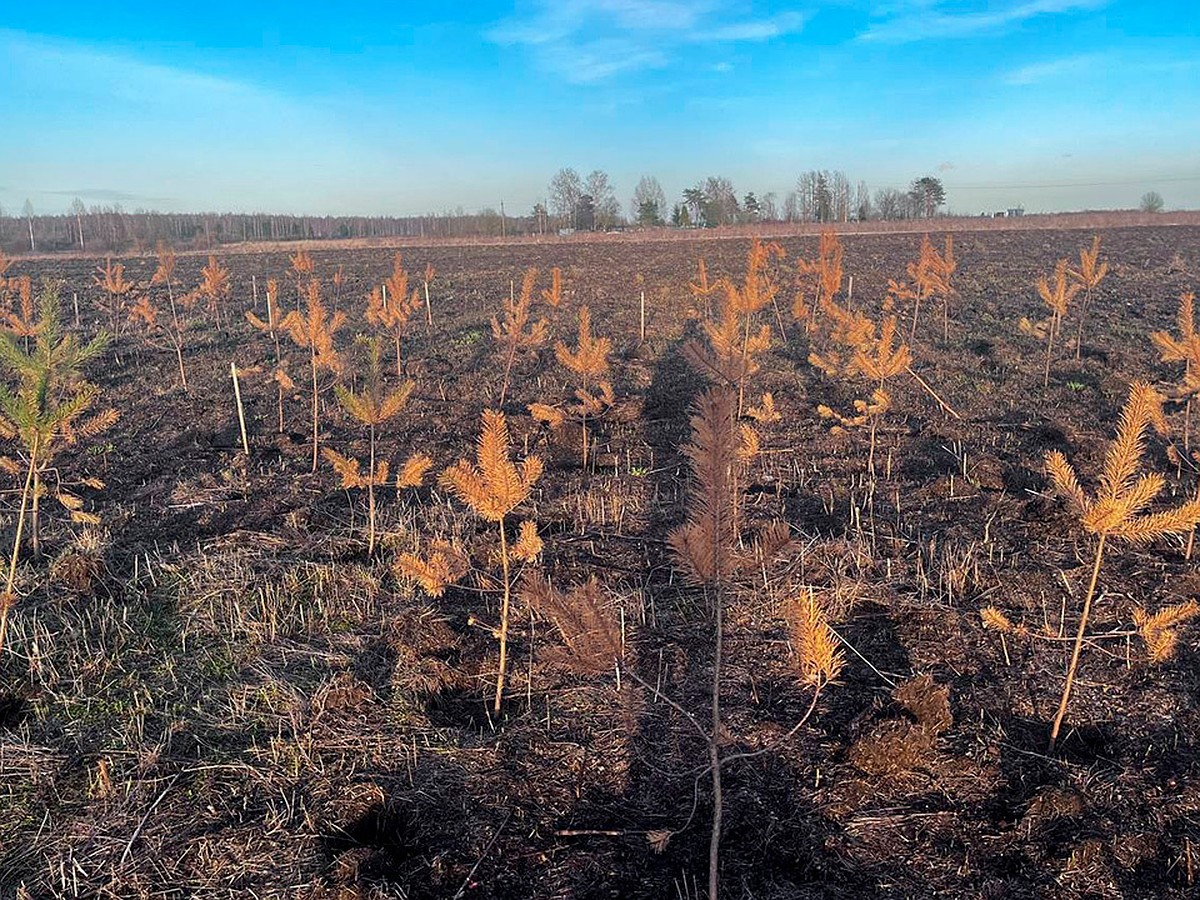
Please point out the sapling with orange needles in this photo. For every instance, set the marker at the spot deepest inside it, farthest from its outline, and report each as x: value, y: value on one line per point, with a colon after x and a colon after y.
x: 1057, y: 296
x: 314, y: 332
x: 515, y: 331
x: 818, y: 281
x: 1089, y: 275
x: 146, y: 314
x: 552, y: 296
x: 164, y: 274
x: 732, y: 341
x: 1117, y: 511
x: 22, y: 322
x: 929, y: 278
x: 391, y: 306
x: 589, y: 361
x: 1183, y: 348
x: 50, y: 407
x: 214, y: 287
x: 493, y: 487
x: 302, y: 270
x: 111, y: 280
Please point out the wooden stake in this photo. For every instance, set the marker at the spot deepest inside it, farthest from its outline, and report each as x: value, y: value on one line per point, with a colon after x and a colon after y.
x: 237, y: 393
x: 643, y: 318
x: 254, y: 287
x: 75, y: 300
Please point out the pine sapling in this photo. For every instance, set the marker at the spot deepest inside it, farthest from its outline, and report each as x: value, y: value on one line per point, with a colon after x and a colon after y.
x: 1089, y: 275
x: 390, y: 307
x: 314, y: 332
x: 373, y: 406
x: 1117, y: 510
x: 493, y: 487
x: 214, y: 287
x: 1057, y: 296
x: 589, y: 361
x: 164, y: 274
x: 515, y: 331
x: 50, y: 407
x: 273, y: 326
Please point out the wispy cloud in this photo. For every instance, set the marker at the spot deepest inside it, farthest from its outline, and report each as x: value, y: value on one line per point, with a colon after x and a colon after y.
x: 589, y: 41
x: 107, y: 195
x: 1067, y: 66
x: 923, y: 20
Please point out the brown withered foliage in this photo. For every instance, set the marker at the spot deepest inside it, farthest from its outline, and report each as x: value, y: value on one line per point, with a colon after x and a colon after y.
x: 907, y: 742
x: 588, y: 361
x: 1160, y: 630
x: 373, y: 406
x: 818, y: 281
x: 110, y: 278
x: 214, y: 287
x: 1117, y: 511
x: 1057, y: 295
x: 314, y: 332
x: 552, y: 296
x: 442, y: 565
x: 164, y: 275
x: 515, y: 331
x: 732, y: 341
x: 1089, y: 275
x: 818, y: 652
x: 391, y: 306
x: 1183, y: 347
x: 493, y: 486
x: 584, y: 618
x: 929, y: 277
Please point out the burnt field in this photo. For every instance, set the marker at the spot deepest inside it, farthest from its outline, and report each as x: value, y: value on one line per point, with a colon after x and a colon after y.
x: 226, y: 688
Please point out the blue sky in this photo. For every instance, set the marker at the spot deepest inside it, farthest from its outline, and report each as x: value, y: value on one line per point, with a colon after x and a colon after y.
x: 391, y: 107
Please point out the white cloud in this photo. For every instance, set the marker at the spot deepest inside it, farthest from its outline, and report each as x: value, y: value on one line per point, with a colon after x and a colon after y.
x: 922, y: 20
x: 589, y: 41
x: 1035, y: 73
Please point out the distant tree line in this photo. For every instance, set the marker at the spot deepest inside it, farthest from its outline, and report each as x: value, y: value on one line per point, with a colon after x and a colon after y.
x: 573, y: 203
x: 576, y: 203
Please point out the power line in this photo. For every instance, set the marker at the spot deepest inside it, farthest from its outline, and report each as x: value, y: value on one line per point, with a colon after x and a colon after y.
x: 1070, y: 184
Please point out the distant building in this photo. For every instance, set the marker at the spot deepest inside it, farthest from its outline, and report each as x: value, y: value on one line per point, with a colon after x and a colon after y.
x: 1016, y: 211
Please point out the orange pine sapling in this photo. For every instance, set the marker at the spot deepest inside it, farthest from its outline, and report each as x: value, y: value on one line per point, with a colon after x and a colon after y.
x: 1117, y: 511
x: 515, y: 331
x: 493, y: 487
x: 589, y: 361
x: 1057, y: 296
x: 391, y: 306
x: 314, y: 332
x: 1088, y: 276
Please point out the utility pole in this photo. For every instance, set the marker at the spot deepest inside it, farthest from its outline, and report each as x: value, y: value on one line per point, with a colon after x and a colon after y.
x: 502, y: 227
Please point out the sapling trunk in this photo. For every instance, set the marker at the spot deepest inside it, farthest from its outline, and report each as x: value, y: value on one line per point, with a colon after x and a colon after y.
x: 371, y: 497
x: 315, y: 437
x: 34, y: 538
x: 1050, y: 348
x: 714, y: 750
x: 1087, y: 296
x: 1078, y: 646
x: 503, y: 621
